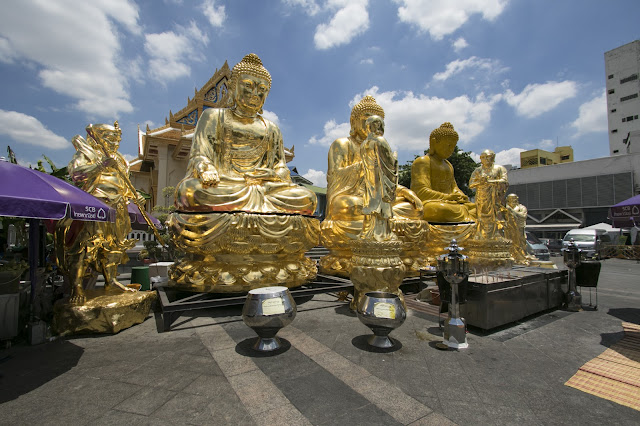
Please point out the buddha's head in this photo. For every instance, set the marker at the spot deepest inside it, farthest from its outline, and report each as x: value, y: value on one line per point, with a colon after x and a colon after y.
x: 512, y: 200
x: 359, y: 114
x: 249, y: 86
x: 487, y: 158
x: 106, y: 135
x: 375, y: 124
x: 443, y: 140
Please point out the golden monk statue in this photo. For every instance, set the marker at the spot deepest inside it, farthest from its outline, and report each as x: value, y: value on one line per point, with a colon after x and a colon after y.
x: 238, y: 199
x: 490, y: 182
x: 432, y: 180
x: 516, y: 220
x: 100, y: 170
x: 346, y: 194
x: 380, y: 166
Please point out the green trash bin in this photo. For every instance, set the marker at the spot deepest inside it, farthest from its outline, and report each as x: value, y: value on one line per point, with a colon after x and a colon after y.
x: 140, y: 275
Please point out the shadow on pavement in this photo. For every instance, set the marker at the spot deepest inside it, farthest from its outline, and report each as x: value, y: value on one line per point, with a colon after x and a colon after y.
x: 245, y: 348
x: 360, y: 342
x: 24, y: 369
x: 626, y: 314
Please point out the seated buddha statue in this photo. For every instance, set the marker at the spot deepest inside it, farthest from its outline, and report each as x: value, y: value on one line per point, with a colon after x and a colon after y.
x: 345, y: 194
x: 432, y: 180
x: 238, y: 200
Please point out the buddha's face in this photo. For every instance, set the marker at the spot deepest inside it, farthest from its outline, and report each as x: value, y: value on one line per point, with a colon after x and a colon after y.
x: 512, y: 200
x: 443, y: 147
x: 487, y: 160
x: 110, y: 138
x: 250, y: 94
x: 359, y: 126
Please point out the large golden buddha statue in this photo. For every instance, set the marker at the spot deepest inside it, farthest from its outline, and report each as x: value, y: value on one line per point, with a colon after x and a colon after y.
x: 345, y: 194
x: 432, y: 180
x: 242, y: 221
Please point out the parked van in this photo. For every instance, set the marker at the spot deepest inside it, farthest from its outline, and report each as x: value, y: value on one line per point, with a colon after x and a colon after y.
x: 537, y: 247
x: 590, y: 241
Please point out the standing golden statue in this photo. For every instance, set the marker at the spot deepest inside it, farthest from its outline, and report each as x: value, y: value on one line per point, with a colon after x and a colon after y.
x: 489, y: 249
x: 516, y: 220
x: 490, y: 182
x: 82, y: 247
x: 380, y: 166
x: 345, y: 195
x: 432, y: 179
x: 241, y: 220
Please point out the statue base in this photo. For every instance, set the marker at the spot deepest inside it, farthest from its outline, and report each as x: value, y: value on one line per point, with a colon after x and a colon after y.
x: 105, y: 311
x: 339, y: 236
x: 440, y: 236
x: 236, y: 252
x: 377, y: 266
x: 488, y: 254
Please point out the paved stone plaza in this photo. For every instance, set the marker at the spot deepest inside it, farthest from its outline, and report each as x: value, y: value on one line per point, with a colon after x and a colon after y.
x: 204, y: 372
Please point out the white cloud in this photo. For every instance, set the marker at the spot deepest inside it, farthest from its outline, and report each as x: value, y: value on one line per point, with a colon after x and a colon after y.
x: 367, y: 61
x: 27, y: 129
x: 455, y: 67
x: 547, y: 144
x: 410, y: 118
x: 350, y: 20
x: 332, y: 131
x: 442, y: 17
x: 310, y: 6
x: 460, y: 44
x: 271, y: 116
x: 76, y: 46
x: 537, y: 99
x: 504, y: 157
x: 592, y: 116
x: 170, y: 52
x: 318, y: 177
x: 215, y: 14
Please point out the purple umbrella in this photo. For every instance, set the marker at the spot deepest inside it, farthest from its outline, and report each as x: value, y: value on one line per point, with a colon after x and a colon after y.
x: 137, y: 220
x: 35, y: 195
x: 626, y: 212
x: 29, y: 193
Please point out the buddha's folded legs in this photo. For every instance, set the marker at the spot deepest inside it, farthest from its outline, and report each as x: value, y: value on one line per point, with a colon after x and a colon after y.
x: 231, y: 196
x: 441, y: 212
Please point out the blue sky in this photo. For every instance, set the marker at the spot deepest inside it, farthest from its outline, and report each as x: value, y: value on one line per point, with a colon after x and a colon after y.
x: 508, y: 74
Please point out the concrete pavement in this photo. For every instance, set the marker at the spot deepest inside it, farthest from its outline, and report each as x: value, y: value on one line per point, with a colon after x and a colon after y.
x: 204, y: 371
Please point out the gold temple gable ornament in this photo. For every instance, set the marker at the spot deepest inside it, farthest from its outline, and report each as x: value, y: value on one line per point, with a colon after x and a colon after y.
x: 240, y: 219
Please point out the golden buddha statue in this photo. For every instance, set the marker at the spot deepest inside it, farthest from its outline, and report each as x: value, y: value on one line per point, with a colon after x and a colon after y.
x: 490, y: 182
x: 432, y: 180
x: 516, y: 220
x: 345, y: 197
x: 238, y: 198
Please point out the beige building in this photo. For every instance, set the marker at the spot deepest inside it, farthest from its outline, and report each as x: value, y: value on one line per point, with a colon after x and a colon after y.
x: 540, y: 157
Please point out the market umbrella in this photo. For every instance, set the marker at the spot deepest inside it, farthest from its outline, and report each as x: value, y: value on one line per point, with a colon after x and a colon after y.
x: 36, y: 195
x: 626, y: 212
x: 137, y: 220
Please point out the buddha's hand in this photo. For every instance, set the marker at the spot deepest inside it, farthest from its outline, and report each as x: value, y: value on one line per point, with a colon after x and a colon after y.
x: 260, y: 173
x: 209, y: 178
x: 456, y: 198
x: 109, y: 161
x: 411, y: 197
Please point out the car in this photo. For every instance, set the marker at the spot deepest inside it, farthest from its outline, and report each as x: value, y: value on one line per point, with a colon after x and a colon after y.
x: 553, y: 244
x: 589, y: 241
x: 537, y: 248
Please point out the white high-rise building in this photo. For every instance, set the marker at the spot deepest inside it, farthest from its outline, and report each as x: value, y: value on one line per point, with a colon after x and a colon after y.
x: 622, y: 66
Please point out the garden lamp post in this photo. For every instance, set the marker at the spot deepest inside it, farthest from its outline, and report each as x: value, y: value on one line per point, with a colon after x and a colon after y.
x: 572, y: 261
x: 455, y: 269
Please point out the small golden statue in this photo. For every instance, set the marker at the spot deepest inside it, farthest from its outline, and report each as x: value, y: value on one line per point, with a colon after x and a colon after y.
x: 346, y: 194
x: 490, y: 182
x: 241, y: 220
x: 516, y: 220
x: 432, y: 180
x: 489, y: 249
x: 82, y: 247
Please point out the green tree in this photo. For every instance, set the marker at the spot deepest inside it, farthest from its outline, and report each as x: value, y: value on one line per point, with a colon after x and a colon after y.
x: 463, y: 166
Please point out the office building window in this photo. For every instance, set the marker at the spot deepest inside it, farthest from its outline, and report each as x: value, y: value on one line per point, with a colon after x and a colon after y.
x: 610, y: 76
x: 612, y: 91
x: 628, y: 79
x: 626, y: 98
x: 624, y: 119
x: 614, y: 110
x: 565, y: 157
x: 615, y: 151
x: 614, y: 131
